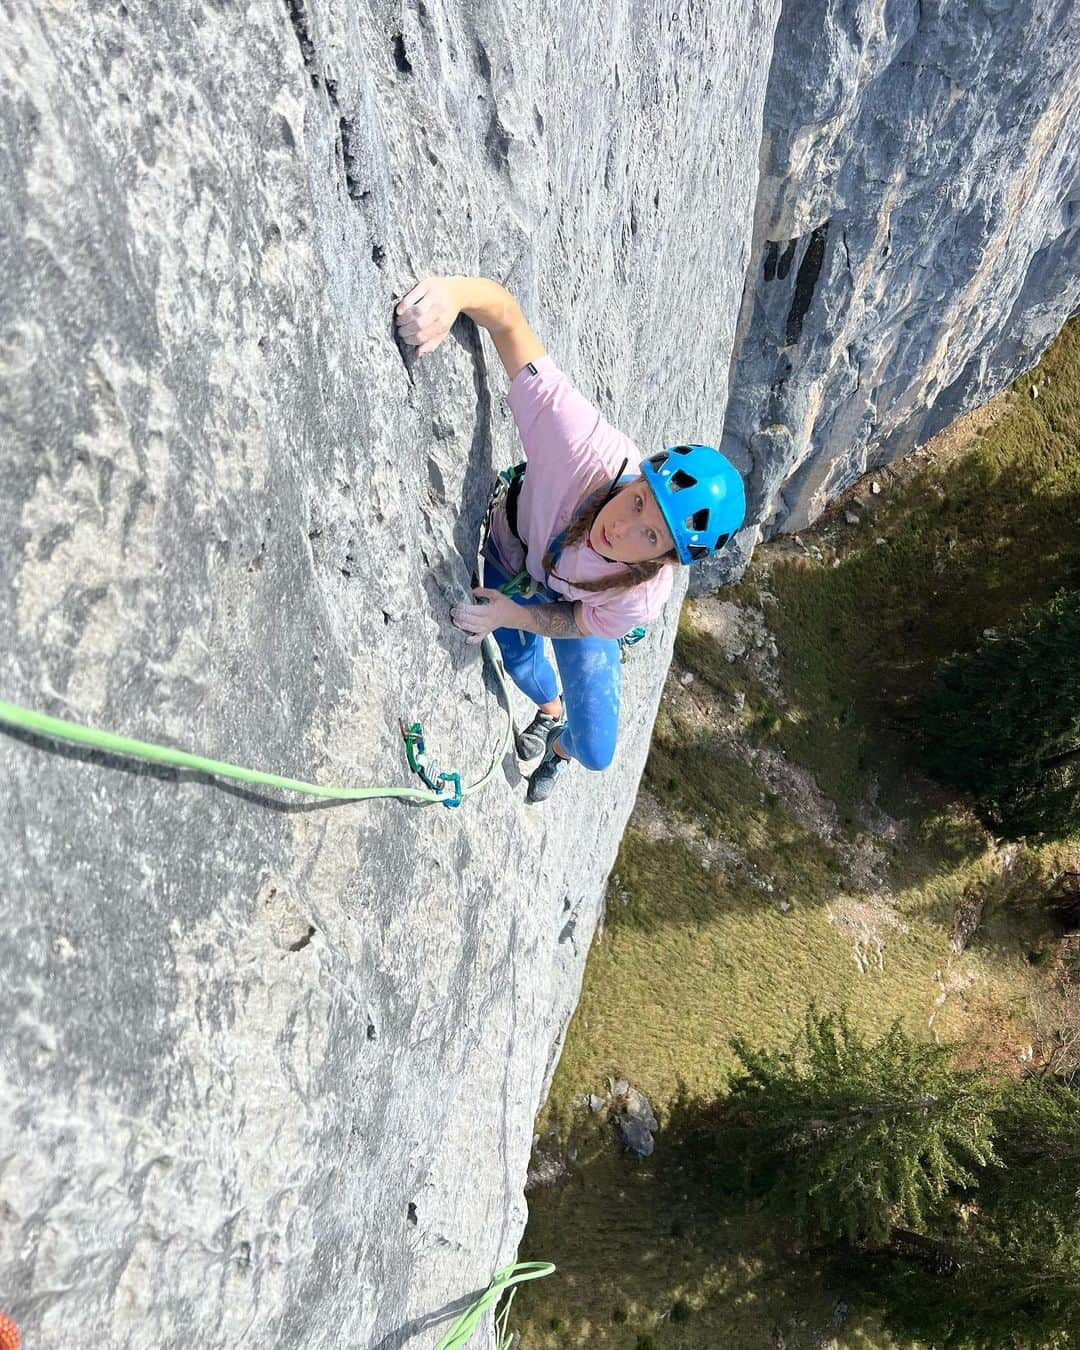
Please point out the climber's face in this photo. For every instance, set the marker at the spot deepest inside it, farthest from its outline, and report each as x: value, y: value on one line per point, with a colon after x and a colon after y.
x: 631, y: 527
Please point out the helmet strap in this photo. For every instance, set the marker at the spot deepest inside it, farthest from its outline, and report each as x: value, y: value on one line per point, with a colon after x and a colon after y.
x: 610, y: 493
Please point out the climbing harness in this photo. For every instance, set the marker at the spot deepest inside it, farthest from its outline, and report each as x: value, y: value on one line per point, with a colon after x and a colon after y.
x: 506, y: 490
x: 459, y: 1334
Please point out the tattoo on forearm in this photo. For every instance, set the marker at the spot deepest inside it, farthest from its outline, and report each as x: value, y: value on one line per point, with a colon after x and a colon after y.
x: 555, y: 621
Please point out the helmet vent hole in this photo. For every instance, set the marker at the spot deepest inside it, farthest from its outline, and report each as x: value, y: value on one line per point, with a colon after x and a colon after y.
x: 699, y: 520
x: 698, y: 551
x: 681, y: 479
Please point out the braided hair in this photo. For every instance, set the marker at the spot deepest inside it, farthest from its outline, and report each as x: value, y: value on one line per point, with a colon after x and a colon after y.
x: 579, y: 528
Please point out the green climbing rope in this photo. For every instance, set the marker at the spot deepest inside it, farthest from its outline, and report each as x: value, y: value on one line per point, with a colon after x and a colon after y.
x: 57, y: 728
x: 459, y: 1334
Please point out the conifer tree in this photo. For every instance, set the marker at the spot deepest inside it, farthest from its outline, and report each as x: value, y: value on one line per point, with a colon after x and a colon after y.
x: 952, y: 1200
x: 1003, y: 722
x: 1036, y: 1125
x: 991, y: 1283
x: 866, y: 1136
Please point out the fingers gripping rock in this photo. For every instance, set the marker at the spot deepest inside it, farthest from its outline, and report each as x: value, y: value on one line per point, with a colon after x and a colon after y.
x: 426, y: 314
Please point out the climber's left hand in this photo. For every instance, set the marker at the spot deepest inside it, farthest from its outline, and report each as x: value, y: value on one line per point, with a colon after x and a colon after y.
x: 494, y: 610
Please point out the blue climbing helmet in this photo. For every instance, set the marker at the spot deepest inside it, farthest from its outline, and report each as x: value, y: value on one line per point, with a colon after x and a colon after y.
x: 701, y: 494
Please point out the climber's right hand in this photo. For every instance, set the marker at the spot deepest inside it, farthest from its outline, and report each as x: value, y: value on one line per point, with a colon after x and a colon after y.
x: 427, y: 313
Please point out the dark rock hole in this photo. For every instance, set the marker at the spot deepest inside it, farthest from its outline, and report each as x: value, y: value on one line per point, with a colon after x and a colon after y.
x: 497, y: 144
x: 805, y: 282
x: 783, y: 267
x: 298, y: 15
x: 301, y: 943
x: 353, y: 184
x: 400, y: 59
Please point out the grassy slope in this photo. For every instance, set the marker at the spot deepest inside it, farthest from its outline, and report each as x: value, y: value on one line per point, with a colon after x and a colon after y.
x: 698, y: 945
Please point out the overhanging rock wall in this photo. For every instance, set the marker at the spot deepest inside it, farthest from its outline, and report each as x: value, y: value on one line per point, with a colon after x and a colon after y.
x: 916, y: 237
x: 269, y: 1069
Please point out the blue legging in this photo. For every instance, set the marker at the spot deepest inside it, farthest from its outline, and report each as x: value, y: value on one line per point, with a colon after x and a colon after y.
x: 591, y: 678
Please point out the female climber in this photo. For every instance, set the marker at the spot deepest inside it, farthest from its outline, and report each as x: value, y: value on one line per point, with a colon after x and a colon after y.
x: 599, y: 549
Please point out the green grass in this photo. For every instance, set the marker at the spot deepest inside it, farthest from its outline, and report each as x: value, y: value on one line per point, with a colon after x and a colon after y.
x: 708, y: 958
x: 691, y: 955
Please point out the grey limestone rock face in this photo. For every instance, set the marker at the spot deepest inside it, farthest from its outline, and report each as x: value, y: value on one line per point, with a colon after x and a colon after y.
x: 915, y: 240
x: 269, y: 1068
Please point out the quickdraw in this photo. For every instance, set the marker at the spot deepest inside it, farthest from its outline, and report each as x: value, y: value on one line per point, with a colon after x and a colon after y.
x: 629, y: 640
x: 524, y: 584
x: 417, y: 753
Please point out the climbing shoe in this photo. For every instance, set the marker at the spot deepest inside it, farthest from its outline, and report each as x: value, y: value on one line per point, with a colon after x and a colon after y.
x: 532, y: 741
x: 551, y: 768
